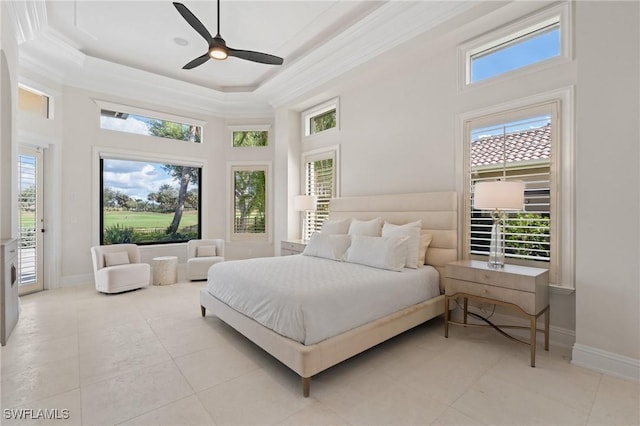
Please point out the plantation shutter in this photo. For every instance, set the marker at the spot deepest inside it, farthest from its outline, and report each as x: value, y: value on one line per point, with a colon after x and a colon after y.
x: 518, y: 150
x: 527, y: 233
x: 319, y: 181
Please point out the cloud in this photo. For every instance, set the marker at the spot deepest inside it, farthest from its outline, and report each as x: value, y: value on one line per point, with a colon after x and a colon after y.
x: 130, y: 125
x: 135, y: 178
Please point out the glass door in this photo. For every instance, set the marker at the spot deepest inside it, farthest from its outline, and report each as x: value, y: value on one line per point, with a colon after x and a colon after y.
x: 30, y: 247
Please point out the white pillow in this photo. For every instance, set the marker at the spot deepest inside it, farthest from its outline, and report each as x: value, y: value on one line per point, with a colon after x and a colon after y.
x: 425, y: 240
x: 116, y: 258
x: 206, y: 251
x: 329, y: 246
x: 335, y: 226
x: 371, y: 227
x: 379, y: 252
x: 411, y: 230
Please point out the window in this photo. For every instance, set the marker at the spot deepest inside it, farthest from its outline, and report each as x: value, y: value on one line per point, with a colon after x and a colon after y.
x: 249, y: 136
x: 321, y: 118
x: 137, y: 121
x: 146, y: 202
x: 520, y: 145
x: 526, y: 146
x: 536, y: 39
x: 250, y: 198
x: 31, y: 100
x: 320, y: 178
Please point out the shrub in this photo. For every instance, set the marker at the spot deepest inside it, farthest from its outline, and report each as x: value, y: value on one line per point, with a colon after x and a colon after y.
x: 118, y: 234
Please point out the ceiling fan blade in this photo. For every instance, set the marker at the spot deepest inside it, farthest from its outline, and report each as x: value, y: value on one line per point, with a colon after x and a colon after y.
x: 193, y: 21
x: 263, y: 58
x: 197, y: 61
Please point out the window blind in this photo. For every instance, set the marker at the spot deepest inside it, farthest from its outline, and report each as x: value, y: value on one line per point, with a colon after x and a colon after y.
x: 319, y: 181
x: 514, y: 155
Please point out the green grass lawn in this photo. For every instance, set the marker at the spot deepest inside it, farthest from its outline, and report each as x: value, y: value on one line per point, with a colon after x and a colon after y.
x: 147, y: 219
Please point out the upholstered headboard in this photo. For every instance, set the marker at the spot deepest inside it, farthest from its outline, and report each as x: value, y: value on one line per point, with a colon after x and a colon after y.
x: 437, y: 210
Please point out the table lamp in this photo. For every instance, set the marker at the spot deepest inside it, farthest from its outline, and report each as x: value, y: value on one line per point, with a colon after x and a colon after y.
x: 498, y: 196
x: 304, y: 204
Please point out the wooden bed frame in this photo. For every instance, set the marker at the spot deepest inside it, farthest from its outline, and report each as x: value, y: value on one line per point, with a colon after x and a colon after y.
x: 438, y: 212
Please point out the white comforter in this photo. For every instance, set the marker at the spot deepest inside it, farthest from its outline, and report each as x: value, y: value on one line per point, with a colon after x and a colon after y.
x: 309, y: 299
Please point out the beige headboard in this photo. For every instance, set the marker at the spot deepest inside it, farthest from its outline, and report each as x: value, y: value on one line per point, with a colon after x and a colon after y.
x: 437, y: 210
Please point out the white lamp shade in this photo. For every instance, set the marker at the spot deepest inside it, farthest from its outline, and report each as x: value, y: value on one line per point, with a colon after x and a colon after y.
x: 302, y: 203
x: 499, y: 195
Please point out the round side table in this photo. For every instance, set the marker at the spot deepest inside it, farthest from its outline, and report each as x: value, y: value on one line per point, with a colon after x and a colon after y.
x: 165, y: 270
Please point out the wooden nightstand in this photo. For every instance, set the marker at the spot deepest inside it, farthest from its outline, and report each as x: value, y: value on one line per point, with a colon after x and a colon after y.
x: 292, y: 247
x: 522, y: 288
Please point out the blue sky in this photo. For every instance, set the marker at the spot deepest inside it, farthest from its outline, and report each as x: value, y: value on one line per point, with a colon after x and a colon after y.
x: 532, y: 50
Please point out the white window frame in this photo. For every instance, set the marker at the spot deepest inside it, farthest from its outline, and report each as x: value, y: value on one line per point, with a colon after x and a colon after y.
x: 99, y: 152
x: 564, y: 178
x: 44, y: 95
x: 310, y: 113
x: 232, y: 167
x: 250, y: 128
x: 331, y: 152
x: 561, y: 13
x: 110, y: 106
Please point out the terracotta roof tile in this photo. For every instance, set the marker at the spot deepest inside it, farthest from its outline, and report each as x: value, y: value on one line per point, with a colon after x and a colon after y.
x: 525, y: 145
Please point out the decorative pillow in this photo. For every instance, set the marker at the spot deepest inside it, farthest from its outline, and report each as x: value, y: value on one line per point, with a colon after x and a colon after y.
x: 206, y: 251
x: 371, y: 227
x: 425, y: 240
x: 329, y: 246
x: 335, y: 226
x: 116, y: 258
x: 379, y: 252
x: 411, y: 230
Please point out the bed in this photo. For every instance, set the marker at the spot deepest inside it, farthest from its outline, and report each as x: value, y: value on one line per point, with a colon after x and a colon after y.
x: 308, y: 353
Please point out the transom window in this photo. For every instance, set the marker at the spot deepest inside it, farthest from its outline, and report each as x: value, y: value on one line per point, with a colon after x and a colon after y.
x: 517, y: 52
x: 536, y: 39
x: 249, y: 136
x: 31, y: 100
x: 321, y: 118
x: 140, y: 122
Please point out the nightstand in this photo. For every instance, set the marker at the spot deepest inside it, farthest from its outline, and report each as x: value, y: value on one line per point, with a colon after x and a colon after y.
x: 292, y: 247
x: 521, y: 288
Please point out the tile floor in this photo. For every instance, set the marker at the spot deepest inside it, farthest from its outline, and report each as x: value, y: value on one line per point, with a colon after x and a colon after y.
x: 147, y: 357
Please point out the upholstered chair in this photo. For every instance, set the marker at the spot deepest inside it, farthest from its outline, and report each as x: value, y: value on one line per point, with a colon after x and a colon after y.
x: 202, y: 255
x: 117, y: 268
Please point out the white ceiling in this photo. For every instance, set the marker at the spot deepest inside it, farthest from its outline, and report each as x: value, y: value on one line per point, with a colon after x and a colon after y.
x: 130, y: 46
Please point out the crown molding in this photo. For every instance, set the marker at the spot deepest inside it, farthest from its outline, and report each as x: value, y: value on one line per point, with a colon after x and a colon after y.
x: 385, y: 28
x: 47, y: 53
x: 29, y: 17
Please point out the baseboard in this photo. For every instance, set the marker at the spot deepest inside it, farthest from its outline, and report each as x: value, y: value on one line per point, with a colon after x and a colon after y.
x: 606, y: 362
x: 558, y: 336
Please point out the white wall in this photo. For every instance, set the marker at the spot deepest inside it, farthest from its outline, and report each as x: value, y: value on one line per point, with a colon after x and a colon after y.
x: 608, y: 184
x: 8, y: 102
x: 77, y: 204
x: 399, y: 117
x: 398, y: 133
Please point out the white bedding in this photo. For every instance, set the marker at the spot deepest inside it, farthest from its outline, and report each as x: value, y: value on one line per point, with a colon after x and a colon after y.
x: 310, y: 299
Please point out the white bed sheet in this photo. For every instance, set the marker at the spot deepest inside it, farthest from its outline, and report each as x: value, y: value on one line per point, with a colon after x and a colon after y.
x: 310, y: 299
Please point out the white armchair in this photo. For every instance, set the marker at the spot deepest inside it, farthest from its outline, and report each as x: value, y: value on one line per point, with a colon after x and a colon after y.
x: 117, y: 268
x: 202, y: 255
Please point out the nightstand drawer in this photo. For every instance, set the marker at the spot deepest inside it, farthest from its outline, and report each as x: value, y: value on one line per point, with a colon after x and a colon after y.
x: 291, y: 247
x: 515, y: 277
x: 527, y: 301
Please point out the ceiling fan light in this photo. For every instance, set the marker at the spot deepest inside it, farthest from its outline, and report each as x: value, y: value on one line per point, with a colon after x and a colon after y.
x: 218, y: 52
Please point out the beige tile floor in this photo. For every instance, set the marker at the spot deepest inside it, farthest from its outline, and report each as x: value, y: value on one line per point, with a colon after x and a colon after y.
x: 147, y: 357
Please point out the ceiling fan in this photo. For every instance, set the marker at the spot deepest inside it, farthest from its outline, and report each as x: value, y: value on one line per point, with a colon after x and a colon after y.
x: 218, y: 48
